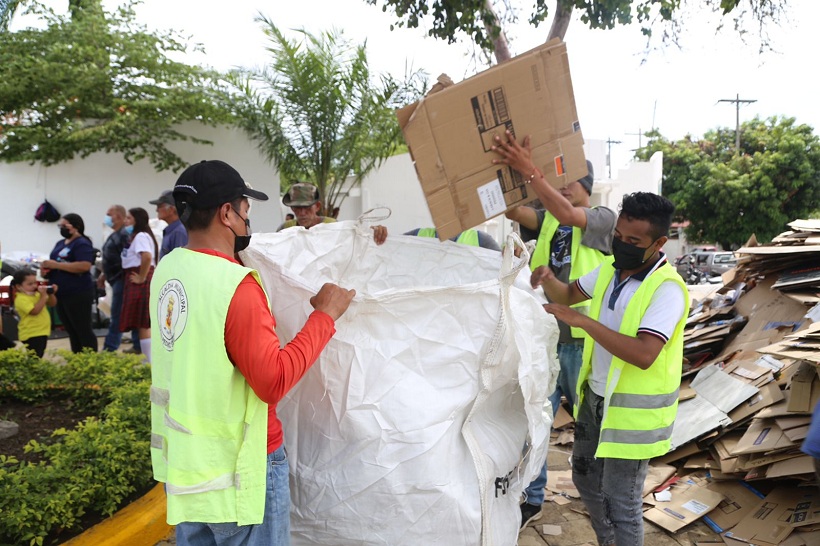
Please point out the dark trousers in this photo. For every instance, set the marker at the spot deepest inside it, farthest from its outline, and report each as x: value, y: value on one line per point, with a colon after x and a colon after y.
x: 74, y: 311
x: 37, y: 344
x: 5, y: 343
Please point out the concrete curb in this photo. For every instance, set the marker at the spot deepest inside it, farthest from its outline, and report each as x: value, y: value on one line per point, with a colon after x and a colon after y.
x: 140, y: 523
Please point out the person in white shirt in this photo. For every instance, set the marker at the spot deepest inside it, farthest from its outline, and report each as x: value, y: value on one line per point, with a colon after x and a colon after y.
x: 139, y: 257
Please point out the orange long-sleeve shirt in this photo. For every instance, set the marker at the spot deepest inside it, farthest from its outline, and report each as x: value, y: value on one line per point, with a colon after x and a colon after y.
x: 253, y: 347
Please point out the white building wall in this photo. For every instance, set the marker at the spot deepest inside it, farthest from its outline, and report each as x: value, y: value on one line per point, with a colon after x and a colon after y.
x: 89, y: 186
x: 395, y: 186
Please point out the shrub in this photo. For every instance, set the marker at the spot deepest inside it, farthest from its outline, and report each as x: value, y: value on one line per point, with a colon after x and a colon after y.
x: 92, y: 468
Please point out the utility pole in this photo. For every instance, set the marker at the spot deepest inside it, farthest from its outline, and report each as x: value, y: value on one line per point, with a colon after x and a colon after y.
x: 609, y: 143
x: 639, y: 134
x: 737, y: 100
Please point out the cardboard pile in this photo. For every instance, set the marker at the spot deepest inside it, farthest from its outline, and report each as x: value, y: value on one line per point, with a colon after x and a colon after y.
x: 751, y: 380
x: 795, y: 257
x: 450, y: 137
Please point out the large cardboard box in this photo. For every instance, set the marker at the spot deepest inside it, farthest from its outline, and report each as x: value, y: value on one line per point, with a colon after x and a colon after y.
x: 775, y: 517
x: 450, y: 136
x: 689, y: 502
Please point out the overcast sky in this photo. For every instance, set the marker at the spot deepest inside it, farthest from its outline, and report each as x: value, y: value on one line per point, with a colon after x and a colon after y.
x: 617, y: 94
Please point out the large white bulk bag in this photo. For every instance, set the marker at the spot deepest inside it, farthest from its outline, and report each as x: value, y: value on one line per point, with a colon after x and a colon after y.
x: 427, y: 414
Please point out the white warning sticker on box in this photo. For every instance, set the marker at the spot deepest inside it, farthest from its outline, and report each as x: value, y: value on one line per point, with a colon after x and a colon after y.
x: 492, y: 199
x: 696, y: 507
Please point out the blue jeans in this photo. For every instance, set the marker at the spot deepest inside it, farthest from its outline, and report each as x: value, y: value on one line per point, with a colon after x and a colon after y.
x: 569, y: 357
x: 114, y: 336
x: 274, y: 529
x: 611, y: 489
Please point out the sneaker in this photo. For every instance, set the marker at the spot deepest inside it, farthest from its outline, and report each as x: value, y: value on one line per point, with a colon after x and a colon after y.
x: 529, y: 513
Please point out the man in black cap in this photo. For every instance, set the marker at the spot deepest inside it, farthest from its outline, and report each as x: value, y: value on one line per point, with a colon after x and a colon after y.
x: 572, y: 238
x: 174, y: 235
x: 218, y: 371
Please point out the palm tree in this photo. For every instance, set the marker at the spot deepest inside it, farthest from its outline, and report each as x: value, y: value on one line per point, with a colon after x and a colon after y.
x: 318, y: 114
x: 7, y: 9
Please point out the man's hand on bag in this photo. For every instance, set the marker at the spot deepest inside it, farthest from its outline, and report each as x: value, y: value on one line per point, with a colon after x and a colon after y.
x: 565, y: 314
x: 541, y: 275
x: 379, y: 234
x: 333, y: 300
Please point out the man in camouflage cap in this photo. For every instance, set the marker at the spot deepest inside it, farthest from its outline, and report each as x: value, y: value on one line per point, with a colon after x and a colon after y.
x: 303, y: 199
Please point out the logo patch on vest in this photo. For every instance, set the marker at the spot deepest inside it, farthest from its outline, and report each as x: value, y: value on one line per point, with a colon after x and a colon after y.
x: 172, y: 313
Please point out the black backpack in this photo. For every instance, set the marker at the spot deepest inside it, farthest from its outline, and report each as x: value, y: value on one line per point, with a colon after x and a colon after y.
x: 46, y: 213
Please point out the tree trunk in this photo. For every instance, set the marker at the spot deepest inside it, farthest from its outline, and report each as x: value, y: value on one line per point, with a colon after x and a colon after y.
x: 500, y: 46
x: 560, y: 21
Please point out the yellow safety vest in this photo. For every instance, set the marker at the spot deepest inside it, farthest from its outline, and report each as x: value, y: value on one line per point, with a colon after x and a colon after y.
x: 208, y: 427
x: 468, y: 237
x: 639, y: 405
x: 583, y: 259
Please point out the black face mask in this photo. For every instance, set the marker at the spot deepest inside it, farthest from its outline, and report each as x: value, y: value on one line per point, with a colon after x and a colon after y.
x: 65, y: 233
x: 241, y: 242
x: 628, y: 256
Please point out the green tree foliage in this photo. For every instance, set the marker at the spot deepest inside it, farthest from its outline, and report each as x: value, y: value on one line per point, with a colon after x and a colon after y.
x: 97, y: 81
x: 477, y: 19
x: 318, y: 113
x: 728, y: 196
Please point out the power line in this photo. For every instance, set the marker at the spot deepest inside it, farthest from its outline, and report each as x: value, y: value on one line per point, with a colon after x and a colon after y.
x: 737, y: 100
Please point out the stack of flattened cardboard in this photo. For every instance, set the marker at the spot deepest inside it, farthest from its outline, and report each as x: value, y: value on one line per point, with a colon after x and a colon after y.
x: 746, y: 403
x: 710, y: 325
x: 793, y: 255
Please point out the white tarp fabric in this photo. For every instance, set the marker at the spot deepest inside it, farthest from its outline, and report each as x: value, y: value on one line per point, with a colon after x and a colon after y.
x: 409, y: 429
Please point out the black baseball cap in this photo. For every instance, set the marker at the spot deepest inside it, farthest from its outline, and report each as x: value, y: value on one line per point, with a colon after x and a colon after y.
x: 589, y: 179
x: 209, y: 184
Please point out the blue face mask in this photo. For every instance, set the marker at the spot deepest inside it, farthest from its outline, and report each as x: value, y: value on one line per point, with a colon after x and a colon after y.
x: 108, y: 221
x: 129, y: 229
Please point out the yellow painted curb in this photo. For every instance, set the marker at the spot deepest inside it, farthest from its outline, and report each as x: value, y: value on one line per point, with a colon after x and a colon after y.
x: 141, y: 523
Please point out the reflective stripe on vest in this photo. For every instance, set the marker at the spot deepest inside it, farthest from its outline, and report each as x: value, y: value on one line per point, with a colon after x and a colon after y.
x: 583, y: 259
x: 468, y: 237
x: 639, y: 405
x: 190, y: 296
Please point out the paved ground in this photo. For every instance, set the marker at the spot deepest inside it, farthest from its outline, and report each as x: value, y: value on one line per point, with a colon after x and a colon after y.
x: 575, y: 527
x: 63, y: 343
x: 574, y: 524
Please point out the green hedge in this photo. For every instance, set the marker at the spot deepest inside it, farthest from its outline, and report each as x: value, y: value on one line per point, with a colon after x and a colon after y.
x: 90, y: 469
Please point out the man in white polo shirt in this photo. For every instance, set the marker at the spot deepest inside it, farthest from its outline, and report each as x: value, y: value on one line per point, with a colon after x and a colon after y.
x: 628, y: 385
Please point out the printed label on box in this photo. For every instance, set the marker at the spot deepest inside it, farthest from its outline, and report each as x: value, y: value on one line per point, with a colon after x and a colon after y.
x: 674, y: 514
x: 559, y: 165
x: 696, y: 507
x: 492, y: 199
x: 762, y: 436
x: 492, y: 117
